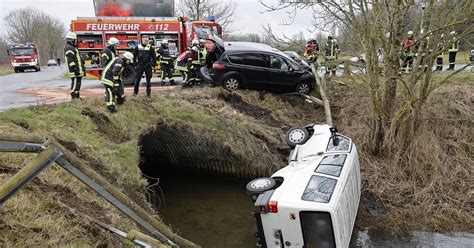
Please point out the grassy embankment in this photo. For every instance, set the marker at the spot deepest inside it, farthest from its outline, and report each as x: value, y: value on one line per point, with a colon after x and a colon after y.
x: 40, y: 212
x: 6, y: 69
x: 251, y: 128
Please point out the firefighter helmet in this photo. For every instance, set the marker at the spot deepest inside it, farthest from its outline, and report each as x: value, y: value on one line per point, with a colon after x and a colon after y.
x: 71, y: 36
x: 195, y: 42
x: 128, y: 55
x: 165, y: 41
x: 195, y: 49
x: 410, y: 32
x: 113, y: 41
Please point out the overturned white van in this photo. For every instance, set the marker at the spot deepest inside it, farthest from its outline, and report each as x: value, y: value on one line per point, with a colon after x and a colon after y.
x: 313, y: 201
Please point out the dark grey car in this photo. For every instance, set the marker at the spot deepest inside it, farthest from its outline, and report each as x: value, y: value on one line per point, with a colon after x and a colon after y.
x: 255, y: 66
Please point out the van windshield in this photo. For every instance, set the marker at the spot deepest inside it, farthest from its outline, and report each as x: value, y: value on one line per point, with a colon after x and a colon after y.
x: 21, y: 51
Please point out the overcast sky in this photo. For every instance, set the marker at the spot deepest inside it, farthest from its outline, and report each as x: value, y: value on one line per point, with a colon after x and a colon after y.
x: 249, y: 16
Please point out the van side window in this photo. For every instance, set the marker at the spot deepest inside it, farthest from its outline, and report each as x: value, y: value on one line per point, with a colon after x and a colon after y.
x: 331, y: 165
x: 319, y: 189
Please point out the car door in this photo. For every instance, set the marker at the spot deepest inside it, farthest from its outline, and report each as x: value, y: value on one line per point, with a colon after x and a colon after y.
x: 252, y: 66
x: 281, y: 76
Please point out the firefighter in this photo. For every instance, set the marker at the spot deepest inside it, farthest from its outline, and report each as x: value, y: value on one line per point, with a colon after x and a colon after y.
x: 453, y: 50
x: 165, y: 63
x: 184, y: 64
x: 311, y: 51
x: 75, y: 64
x: 440, y: 49
x: 202, y: 45
x: 196, y: 63
x: 112, y: 80
x: 409, y: 48
x: 144, y: 60
x: 109, y: 53
x: 332, y: 50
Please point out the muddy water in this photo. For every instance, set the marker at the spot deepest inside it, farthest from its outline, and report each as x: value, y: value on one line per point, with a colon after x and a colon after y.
x: 217, y: 213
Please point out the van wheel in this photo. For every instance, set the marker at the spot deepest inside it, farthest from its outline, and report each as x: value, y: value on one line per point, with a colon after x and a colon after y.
x: 303, y: 88
x: 259, y: 185
x: 231, y: 83
x: 296, y: 136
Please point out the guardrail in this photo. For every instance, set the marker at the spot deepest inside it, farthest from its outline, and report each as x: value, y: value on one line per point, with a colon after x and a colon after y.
x: 52, y: 152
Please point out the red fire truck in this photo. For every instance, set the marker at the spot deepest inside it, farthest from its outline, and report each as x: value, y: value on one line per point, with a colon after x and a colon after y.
x: 94, y: 32
x: 24, y: 56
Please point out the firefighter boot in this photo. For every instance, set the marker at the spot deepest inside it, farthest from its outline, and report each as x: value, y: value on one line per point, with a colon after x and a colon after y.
x: 172, y: 82
x: 148, y: 92
x: 120, y: 100
x: 111, y: 109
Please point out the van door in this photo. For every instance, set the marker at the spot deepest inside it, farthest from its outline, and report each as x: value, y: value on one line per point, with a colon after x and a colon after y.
x: 252, y: 66
x: 317, y: 229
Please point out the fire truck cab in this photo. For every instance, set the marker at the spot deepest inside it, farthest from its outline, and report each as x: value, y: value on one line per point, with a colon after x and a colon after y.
x: 24, y: 56
x: 94, y: 32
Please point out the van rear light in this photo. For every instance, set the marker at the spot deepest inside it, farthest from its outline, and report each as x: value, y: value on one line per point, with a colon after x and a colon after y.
x: 273, y: 206
x: 218, y: 67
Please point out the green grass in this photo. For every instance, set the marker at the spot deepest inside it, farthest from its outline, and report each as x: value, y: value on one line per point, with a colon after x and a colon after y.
x: 6, y: 69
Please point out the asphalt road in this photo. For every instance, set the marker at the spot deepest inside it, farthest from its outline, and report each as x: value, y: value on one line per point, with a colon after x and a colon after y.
x: 48, y: 86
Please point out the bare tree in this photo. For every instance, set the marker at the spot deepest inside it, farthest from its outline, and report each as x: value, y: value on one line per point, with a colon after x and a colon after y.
x: 381, y: 24
x: 31, y: 25
x: 200, y: 9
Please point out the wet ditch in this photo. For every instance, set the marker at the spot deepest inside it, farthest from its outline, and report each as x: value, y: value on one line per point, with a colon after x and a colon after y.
x: 198, y: 188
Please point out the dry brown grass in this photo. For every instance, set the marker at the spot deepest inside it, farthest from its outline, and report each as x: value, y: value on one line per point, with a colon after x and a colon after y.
x: 433, y: 188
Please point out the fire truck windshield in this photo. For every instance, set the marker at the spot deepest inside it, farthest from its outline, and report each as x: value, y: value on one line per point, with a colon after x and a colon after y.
x: 21, y: 51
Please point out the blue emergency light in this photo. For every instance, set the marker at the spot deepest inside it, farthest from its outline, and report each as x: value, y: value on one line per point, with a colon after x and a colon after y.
x: 211, y: 18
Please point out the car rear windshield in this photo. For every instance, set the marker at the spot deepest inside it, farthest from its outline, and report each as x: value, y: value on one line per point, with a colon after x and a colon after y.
x: 252, y: 59
x: 319, y: 189
x: 331, y: 165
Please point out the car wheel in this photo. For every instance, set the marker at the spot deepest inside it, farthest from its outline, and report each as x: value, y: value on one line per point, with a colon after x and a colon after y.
x: 303, y: 88
x: 297, y: 136
x: 16, y: 70
x: 39, y: 68
x: 259, y: 185
x: 231, y: 83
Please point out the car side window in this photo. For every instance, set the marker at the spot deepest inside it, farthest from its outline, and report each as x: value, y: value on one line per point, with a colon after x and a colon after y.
x: 236, y: 58
x: 256, y: 59
x: 278, y: 63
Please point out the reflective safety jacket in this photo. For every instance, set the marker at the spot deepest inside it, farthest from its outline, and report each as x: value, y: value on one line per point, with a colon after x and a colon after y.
x: 75, y: 63
x: 454, y: 45
x: 203, y: 55
x: 409, y: 45
x: 144, y: 55
x: 113, y: 72
x: 440, y: 48
x: 311, y: 53
x: 164, y: 53
x: 332, y: 49
x: 108, y: 55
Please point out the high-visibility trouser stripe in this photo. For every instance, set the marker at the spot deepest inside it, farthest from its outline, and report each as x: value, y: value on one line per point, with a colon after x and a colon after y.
x: 453, y: 50
x: 107, y: 82
x: 110, y: 100
x: 102, y: 77
x: 74, y: 84
x: 72, y: 63
x: 164, y: 62
x: 79, y: 62
x: 180, y: 68
x: 67, y: 52
x: 185, y: 80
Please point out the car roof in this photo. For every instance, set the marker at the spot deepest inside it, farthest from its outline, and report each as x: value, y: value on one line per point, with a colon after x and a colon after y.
x: 240, y: 46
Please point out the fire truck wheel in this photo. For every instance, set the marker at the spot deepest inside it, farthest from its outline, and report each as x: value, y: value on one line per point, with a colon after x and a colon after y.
x: 260, y: 185
x: 296, y: 136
